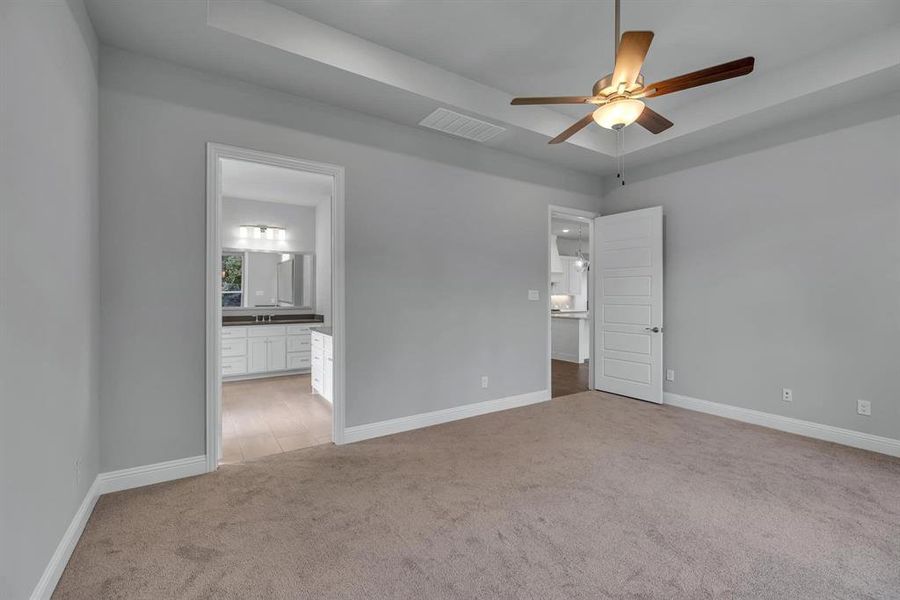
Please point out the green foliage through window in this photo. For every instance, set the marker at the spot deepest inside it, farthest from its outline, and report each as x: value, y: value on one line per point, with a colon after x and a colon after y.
x: 232, y: 279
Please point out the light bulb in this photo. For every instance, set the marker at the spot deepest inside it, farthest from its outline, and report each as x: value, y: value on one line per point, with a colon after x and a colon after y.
x: 618, y: 113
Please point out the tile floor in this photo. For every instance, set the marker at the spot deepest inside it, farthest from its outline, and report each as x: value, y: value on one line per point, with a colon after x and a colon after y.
x: 273, y: 415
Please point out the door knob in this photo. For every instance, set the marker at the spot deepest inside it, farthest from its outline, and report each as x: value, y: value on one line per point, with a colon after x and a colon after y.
x: 653, y: 329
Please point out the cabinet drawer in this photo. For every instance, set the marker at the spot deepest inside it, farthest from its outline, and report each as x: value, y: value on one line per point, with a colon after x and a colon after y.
x: 234, y: 332
x: 265, y: 330
x: 234, y: 365
x: 298, y: 360
x: 233, y: 347
x: 300, y: 329
x: 298, y: 343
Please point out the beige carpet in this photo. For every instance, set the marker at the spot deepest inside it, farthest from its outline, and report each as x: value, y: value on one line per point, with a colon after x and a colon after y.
x: 587, y: 496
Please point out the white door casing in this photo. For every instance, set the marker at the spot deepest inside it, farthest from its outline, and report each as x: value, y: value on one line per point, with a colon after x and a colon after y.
x: 628, y: 320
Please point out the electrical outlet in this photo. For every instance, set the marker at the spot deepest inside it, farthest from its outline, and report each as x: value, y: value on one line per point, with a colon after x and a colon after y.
x: 484, y: 381
x: 670, y: 374
x: 864, y: 407
x: 787, y: 395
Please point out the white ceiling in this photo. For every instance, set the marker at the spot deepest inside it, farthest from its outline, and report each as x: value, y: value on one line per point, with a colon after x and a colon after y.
x: 266, y: 183
x: 401, y: 59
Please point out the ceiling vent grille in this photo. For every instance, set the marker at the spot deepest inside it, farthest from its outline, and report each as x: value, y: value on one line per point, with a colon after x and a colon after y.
x: 454, y: 123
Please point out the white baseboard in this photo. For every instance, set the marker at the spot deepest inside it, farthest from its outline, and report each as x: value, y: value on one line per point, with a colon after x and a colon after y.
x: 49, y: 578
x: 838, y: 435
x: 572, y: 358
x: 372, y: 430
x: 126, y: 479
x: 113, y: 481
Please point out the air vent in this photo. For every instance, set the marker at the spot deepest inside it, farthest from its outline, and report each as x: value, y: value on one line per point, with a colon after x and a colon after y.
x: 454, y: 123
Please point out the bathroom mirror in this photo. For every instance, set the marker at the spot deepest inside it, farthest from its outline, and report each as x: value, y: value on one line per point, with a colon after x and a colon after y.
x: 267, y: 279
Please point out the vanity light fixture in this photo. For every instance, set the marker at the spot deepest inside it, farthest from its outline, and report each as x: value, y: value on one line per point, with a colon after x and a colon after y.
x: 263, y: 232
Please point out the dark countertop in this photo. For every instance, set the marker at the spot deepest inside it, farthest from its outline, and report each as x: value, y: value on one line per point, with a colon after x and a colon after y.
x: 322, y: 330
x: 276, y: 320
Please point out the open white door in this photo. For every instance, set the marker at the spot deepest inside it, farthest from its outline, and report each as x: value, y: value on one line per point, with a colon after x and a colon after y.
x: 628, y: 275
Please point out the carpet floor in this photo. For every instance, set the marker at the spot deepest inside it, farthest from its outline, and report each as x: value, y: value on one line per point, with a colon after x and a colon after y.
x: 587, y: 496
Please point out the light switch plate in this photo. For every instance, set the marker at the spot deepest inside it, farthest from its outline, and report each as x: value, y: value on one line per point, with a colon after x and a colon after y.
x: 670, y: 374
x: 534, y: 295
x: 864, y: 407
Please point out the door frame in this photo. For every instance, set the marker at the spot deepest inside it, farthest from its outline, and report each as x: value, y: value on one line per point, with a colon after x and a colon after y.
x: 215, y: 152
x: 590, y: 216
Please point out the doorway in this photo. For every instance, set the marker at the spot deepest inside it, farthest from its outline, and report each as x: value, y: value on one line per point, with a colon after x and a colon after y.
x: 570, y: 306
x: 275, y: 304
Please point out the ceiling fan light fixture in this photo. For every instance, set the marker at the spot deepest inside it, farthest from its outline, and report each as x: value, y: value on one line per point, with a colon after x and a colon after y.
x: 618, y: 113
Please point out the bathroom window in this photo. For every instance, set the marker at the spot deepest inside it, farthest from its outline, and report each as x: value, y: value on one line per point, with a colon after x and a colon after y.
x: 232, y: 279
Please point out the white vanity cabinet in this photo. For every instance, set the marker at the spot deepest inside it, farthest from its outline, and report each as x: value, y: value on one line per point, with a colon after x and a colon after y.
x: 322, y: 365
x: 256, y: 350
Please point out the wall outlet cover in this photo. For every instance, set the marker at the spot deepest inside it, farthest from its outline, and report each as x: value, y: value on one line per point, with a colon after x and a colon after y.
x: 670, y: 374
x: 864, y: 407
x: 787, y: 395
x: 484, y: 381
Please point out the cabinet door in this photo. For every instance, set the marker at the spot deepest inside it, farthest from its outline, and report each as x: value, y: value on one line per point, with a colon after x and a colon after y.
x: 565, y: 284
x: 277, y: 353
x: 317, y: 361
x: 574, y: 279
x: 257, y: 355
x: 329, y: 376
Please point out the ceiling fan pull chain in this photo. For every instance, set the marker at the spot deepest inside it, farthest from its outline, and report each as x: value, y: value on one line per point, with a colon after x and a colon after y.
x: 622, y: 152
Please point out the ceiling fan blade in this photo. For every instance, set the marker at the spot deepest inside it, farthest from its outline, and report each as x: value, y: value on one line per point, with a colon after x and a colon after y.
x: 633, y: 49
x: 729, y: 70
x: 652, y: 121
x: 552, y: 100
x: 578, y: 126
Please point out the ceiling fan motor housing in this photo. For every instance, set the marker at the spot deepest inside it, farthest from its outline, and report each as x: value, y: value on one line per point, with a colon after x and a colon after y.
x: 605, y: 87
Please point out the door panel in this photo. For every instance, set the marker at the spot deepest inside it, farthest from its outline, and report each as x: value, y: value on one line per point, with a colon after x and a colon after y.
x: 628, y: 290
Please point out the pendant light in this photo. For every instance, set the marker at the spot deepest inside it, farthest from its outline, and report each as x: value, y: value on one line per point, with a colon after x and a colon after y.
x: 582, y: 263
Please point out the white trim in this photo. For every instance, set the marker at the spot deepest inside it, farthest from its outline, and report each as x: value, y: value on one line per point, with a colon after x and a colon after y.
x: 572, y: 358
x: 372, y: 430
x: 105, y: 483
x: 126, y: 479
x: 54, y: 570
x: 215, y: 152
x: 575, y: 212
x: 828, y: 433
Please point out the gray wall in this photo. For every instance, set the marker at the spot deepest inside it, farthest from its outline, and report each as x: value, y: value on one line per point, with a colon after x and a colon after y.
x: 782, y: 269
x: 49, y: 284
x: 444, y: 239
x: 300, y: 222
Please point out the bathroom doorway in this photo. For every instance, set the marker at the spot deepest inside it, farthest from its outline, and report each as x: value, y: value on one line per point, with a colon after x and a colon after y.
x: 275, y: 305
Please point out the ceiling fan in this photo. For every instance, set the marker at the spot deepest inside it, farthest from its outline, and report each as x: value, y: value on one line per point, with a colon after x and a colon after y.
x: 618, y: 96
